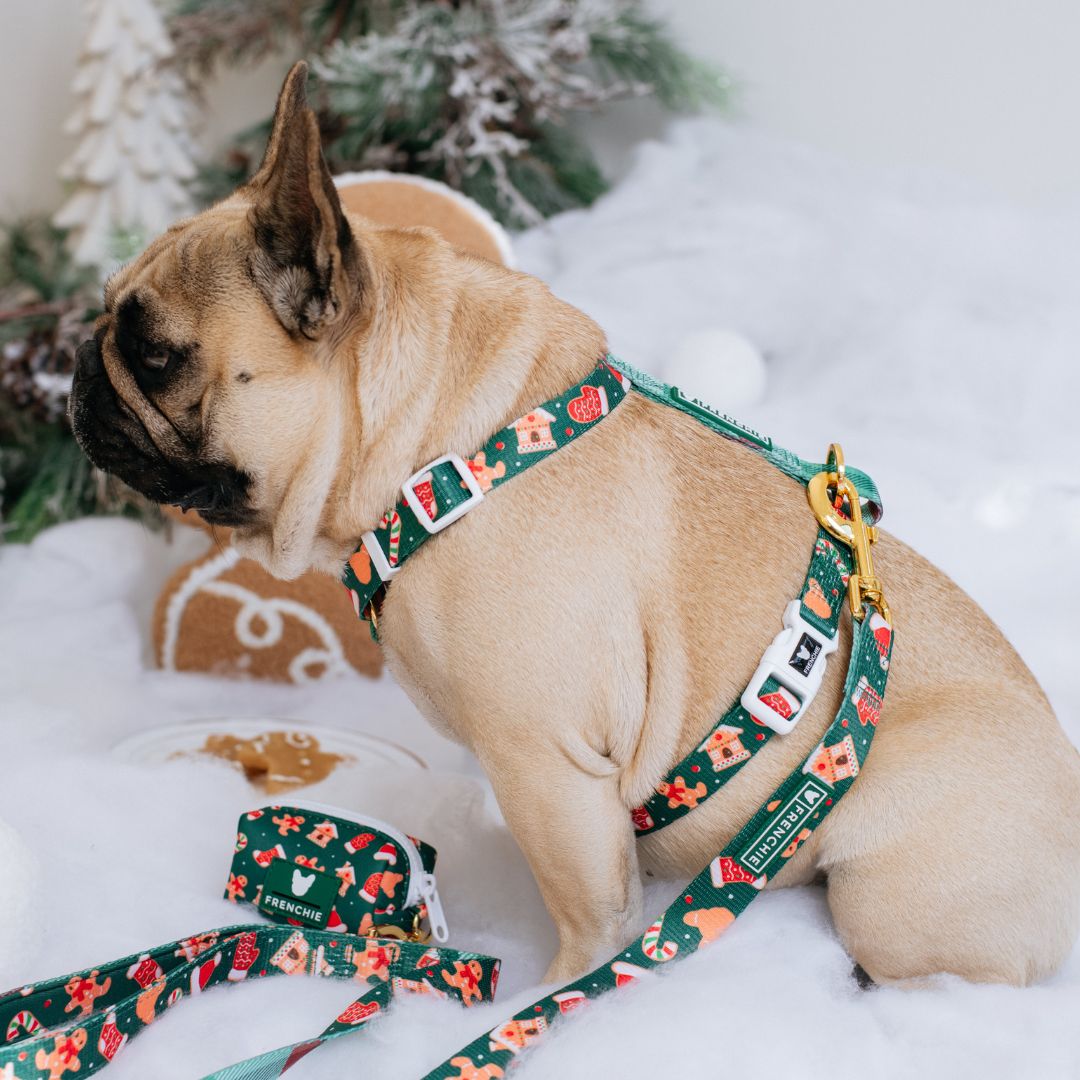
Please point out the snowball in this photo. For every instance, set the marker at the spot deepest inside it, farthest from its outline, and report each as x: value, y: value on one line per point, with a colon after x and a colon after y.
x: 721, y: 367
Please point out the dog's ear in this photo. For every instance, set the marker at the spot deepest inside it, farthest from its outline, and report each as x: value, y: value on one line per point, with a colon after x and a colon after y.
x: 306, y: 261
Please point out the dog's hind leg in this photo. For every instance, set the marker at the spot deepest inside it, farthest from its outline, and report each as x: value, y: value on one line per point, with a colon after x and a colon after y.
x: 955, y: 850
x: 579, y: 841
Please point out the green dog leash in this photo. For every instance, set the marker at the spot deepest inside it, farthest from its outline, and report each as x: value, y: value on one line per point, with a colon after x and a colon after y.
x: 78, y: 1023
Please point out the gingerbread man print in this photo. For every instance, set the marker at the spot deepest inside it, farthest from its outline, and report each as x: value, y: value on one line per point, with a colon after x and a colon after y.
x: 485, y: 474
x: 64, y: 1056
x: 468, y: 1071
x: 466, y: 978
x: 679, y: 793
x: 82, y: 991
x: 237, y: 885
x: 288, y: 823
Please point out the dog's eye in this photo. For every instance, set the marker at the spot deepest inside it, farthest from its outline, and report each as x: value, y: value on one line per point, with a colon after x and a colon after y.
x: 157, y: 361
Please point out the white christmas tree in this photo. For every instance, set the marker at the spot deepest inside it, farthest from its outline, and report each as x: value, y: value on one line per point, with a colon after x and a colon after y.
x: 133, y: 124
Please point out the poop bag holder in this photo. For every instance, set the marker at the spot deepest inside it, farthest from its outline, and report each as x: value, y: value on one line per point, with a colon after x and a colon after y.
x: 311, y: 865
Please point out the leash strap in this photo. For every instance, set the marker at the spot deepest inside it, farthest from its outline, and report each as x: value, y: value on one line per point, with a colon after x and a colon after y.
x: 78, y: 1023
x: 727, y: 886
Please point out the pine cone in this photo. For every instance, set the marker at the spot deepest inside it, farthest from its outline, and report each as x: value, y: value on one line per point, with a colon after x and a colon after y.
x: 36, y: 369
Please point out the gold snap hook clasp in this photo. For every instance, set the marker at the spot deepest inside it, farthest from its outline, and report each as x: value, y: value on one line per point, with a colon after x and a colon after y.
x: 835, y: 502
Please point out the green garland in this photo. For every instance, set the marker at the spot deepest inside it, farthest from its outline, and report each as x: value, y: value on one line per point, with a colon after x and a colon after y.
x: 477, y: 93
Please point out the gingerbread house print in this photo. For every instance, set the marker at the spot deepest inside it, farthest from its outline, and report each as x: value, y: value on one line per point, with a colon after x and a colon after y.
x: 831, y: 764
x: 323, y: 833
x: 534, y: 432
x: 515, y: 1035
x: 725, y: 748
x: 291, y: 958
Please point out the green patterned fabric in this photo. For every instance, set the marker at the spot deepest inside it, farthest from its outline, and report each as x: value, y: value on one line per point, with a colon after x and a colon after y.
x: 729, y: 884
x: 737, y: 736
x: 721, y: 892
x: 78, y: 1023
x: 367, y: 874
x: 529, y: 439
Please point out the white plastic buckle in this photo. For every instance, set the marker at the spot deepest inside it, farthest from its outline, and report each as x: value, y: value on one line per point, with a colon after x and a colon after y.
x: 378, y: 559
x: 796, y: 660
x: 408, y: 489
x: 476, y: 495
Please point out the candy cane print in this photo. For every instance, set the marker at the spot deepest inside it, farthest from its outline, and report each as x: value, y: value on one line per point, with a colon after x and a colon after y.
x: 393, y: 519
x: 651, y: 947
x: 22, y: 1023
x: 827, y: 550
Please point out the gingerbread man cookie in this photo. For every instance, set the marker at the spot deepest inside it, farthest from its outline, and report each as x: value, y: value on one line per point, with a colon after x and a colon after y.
x: 679, y: 793
x: 288, y: 823
x: 375, y: 959
x: 485, y: 474
x: 146, y: 1005
x: 468, y: 1071
x: 237, y: 885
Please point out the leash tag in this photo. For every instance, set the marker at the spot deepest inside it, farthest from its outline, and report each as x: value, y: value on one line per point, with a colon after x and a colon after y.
x: 728, y: 425
x: 298, y: 892
x: 796, y: 661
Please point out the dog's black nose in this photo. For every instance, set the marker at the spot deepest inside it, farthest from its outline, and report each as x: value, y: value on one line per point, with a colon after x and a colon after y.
x: 88, y: 358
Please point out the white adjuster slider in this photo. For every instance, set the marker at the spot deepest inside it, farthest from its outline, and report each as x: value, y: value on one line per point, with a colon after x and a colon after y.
x: 440, y: 521
x: 378, y: 559
x: 796, y: 660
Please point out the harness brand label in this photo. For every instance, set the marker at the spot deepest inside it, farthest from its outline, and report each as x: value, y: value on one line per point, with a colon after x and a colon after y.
x: 298, y: 892
x: 720, y: 420
x: 783, y: 826
x: 805, y: 655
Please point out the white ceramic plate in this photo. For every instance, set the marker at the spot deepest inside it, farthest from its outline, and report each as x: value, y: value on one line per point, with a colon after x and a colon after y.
x: 161, y: 744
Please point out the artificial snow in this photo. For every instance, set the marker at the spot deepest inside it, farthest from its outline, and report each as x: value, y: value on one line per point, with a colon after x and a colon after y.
x: 935, y: 334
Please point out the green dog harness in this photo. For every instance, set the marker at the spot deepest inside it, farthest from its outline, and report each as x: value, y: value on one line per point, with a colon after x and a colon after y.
x: 777, y: 697
x: 79, y: 1023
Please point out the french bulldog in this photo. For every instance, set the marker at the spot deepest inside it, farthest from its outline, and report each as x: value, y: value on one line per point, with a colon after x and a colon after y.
x: 284, y: 367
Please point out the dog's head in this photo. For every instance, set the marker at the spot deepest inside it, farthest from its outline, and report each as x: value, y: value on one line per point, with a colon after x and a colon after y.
x: 209, y: 379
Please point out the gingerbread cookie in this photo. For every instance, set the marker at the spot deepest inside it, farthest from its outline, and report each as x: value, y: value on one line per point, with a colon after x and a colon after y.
x: 276, y: 761
x: 227, y: 615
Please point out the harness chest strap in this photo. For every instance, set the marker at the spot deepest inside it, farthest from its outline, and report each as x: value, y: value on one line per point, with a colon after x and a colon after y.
x: 728, y: 885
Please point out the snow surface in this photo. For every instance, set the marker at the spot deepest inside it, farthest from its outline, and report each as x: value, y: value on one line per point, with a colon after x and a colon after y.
x: 935, y: 334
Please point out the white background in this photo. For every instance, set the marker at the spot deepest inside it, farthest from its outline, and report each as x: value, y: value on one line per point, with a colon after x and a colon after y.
x: 983, y: 89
